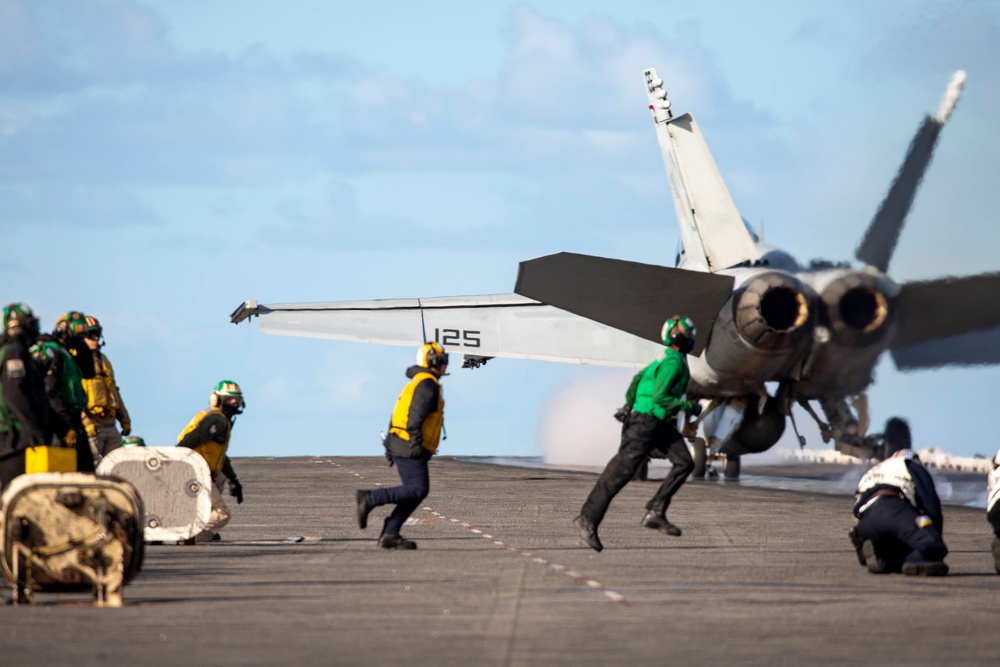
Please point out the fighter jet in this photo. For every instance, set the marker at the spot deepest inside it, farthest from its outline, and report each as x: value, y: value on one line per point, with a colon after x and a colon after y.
x: 771, y: 333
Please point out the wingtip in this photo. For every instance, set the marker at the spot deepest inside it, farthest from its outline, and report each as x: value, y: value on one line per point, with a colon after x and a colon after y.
x: 951, y: 95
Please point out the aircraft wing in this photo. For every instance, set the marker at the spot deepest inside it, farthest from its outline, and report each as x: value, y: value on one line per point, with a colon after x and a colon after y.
x: 494, y: 325
x: 949, y: 321
x: 980, y: 348
x: 629, y: 296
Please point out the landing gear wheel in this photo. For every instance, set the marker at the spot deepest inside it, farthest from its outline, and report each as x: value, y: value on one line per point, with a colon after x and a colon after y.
x: 700, y: 458
x: 642, y: 474
x: 731, y: 469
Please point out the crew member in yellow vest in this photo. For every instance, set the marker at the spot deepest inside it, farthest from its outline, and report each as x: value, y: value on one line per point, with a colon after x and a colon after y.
x: 208, y: 434
x: 414, y: 432
x: 105, y: 408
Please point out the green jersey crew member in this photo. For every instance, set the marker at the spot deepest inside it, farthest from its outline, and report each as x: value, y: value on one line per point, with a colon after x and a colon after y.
x: 64, y: 387
x: 208, y: 434
x: 414, y: 432
x: 652, y: 402
x: 24, y: 411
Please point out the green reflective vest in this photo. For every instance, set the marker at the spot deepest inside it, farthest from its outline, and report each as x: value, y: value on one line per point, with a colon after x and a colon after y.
x: 71, y: 382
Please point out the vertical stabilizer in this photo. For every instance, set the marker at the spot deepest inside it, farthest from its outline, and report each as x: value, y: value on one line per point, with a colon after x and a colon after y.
x: 712, y: 230
x: 879, y: 243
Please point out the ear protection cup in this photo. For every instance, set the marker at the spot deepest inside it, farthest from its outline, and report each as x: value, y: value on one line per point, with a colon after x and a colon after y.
x: 431, y: 355
x: 679, y: 331
x: 227, y: 397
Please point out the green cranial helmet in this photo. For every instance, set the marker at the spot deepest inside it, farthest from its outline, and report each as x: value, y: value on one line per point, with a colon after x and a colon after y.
x: 65, y: 324
x: 76, y: 324
x: 18, y: 320
x: 680, y: 331
x: 228, y: 396
x: 133, y: 441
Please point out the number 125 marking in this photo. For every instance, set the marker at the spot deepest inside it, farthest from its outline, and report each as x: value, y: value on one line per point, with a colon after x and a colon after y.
x: 457, y: 337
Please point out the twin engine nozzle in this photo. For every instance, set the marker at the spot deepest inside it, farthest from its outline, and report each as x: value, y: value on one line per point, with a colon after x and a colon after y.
x: 777, y: 311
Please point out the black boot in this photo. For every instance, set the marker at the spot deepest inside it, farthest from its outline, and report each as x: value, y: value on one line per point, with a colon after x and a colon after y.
x: 874, y: 564
x: 857, y: 542
x: 364, y: 500
x: 588, y: 532
x: 387, y: 541
x: 925, y: 569
x: 659, y: 522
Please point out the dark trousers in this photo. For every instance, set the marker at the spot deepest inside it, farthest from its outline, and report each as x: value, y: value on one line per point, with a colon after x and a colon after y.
x: 993, y: 516
x: 641, y: 435
x: 11, y: 464
x: 84, y: 458
x: 891, y: 524
x: 407, y: 497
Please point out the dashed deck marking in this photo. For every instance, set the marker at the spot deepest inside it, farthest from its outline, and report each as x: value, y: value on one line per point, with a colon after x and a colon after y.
x: 576, y: 576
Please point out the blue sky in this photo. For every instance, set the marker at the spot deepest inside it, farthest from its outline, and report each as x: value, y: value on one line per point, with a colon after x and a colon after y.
x: 160, y: 162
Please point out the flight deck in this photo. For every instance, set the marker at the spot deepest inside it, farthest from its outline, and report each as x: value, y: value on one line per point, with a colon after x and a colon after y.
x: 760, y: 576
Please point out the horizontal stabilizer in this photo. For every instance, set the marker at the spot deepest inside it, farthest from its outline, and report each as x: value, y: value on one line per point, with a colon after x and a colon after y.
x: 495, y: 325
x: 938, y: 309
x: 630, y: 296
x: 980, y: 348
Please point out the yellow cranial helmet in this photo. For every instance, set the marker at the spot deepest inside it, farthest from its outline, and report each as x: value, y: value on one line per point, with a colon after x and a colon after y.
x: 432, y: 355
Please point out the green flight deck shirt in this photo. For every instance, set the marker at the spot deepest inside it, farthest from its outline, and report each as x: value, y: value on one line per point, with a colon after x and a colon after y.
x: 659, y: 388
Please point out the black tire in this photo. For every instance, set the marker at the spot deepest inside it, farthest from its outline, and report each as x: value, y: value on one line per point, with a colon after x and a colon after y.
x: 731, y: 469
x: 700, y: 458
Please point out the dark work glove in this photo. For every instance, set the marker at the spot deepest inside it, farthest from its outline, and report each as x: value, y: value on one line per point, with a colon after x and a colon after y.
x: 236, y: 490
x: 622, y: 413
x: 695, y: 409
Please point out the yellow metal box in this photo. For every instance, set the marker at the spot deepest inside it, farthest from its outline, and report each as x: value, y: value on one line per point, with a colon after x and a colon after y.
x: 49, y: 459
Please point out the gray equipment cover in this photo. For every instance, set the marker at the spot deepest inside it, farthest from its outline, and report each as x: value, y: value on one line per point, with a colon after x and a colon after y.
x: 69, y: 532
x: 175, y: 484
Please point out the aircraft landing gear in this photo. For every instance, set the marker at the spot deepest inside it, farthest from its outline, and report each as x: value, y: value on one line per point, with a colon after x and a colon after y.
x: 700, y: 458
x: 731, y: 468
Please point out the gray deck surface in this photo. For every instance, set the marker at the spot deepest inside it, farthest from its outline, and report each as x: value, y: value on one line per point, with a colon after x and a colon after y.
x: 760, y: 576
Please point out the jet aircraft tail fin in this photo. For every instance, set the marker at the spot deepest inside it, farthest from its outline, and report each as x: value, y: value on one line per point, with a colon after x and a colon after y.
x: 879, y: 242
x: 712, y: 230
